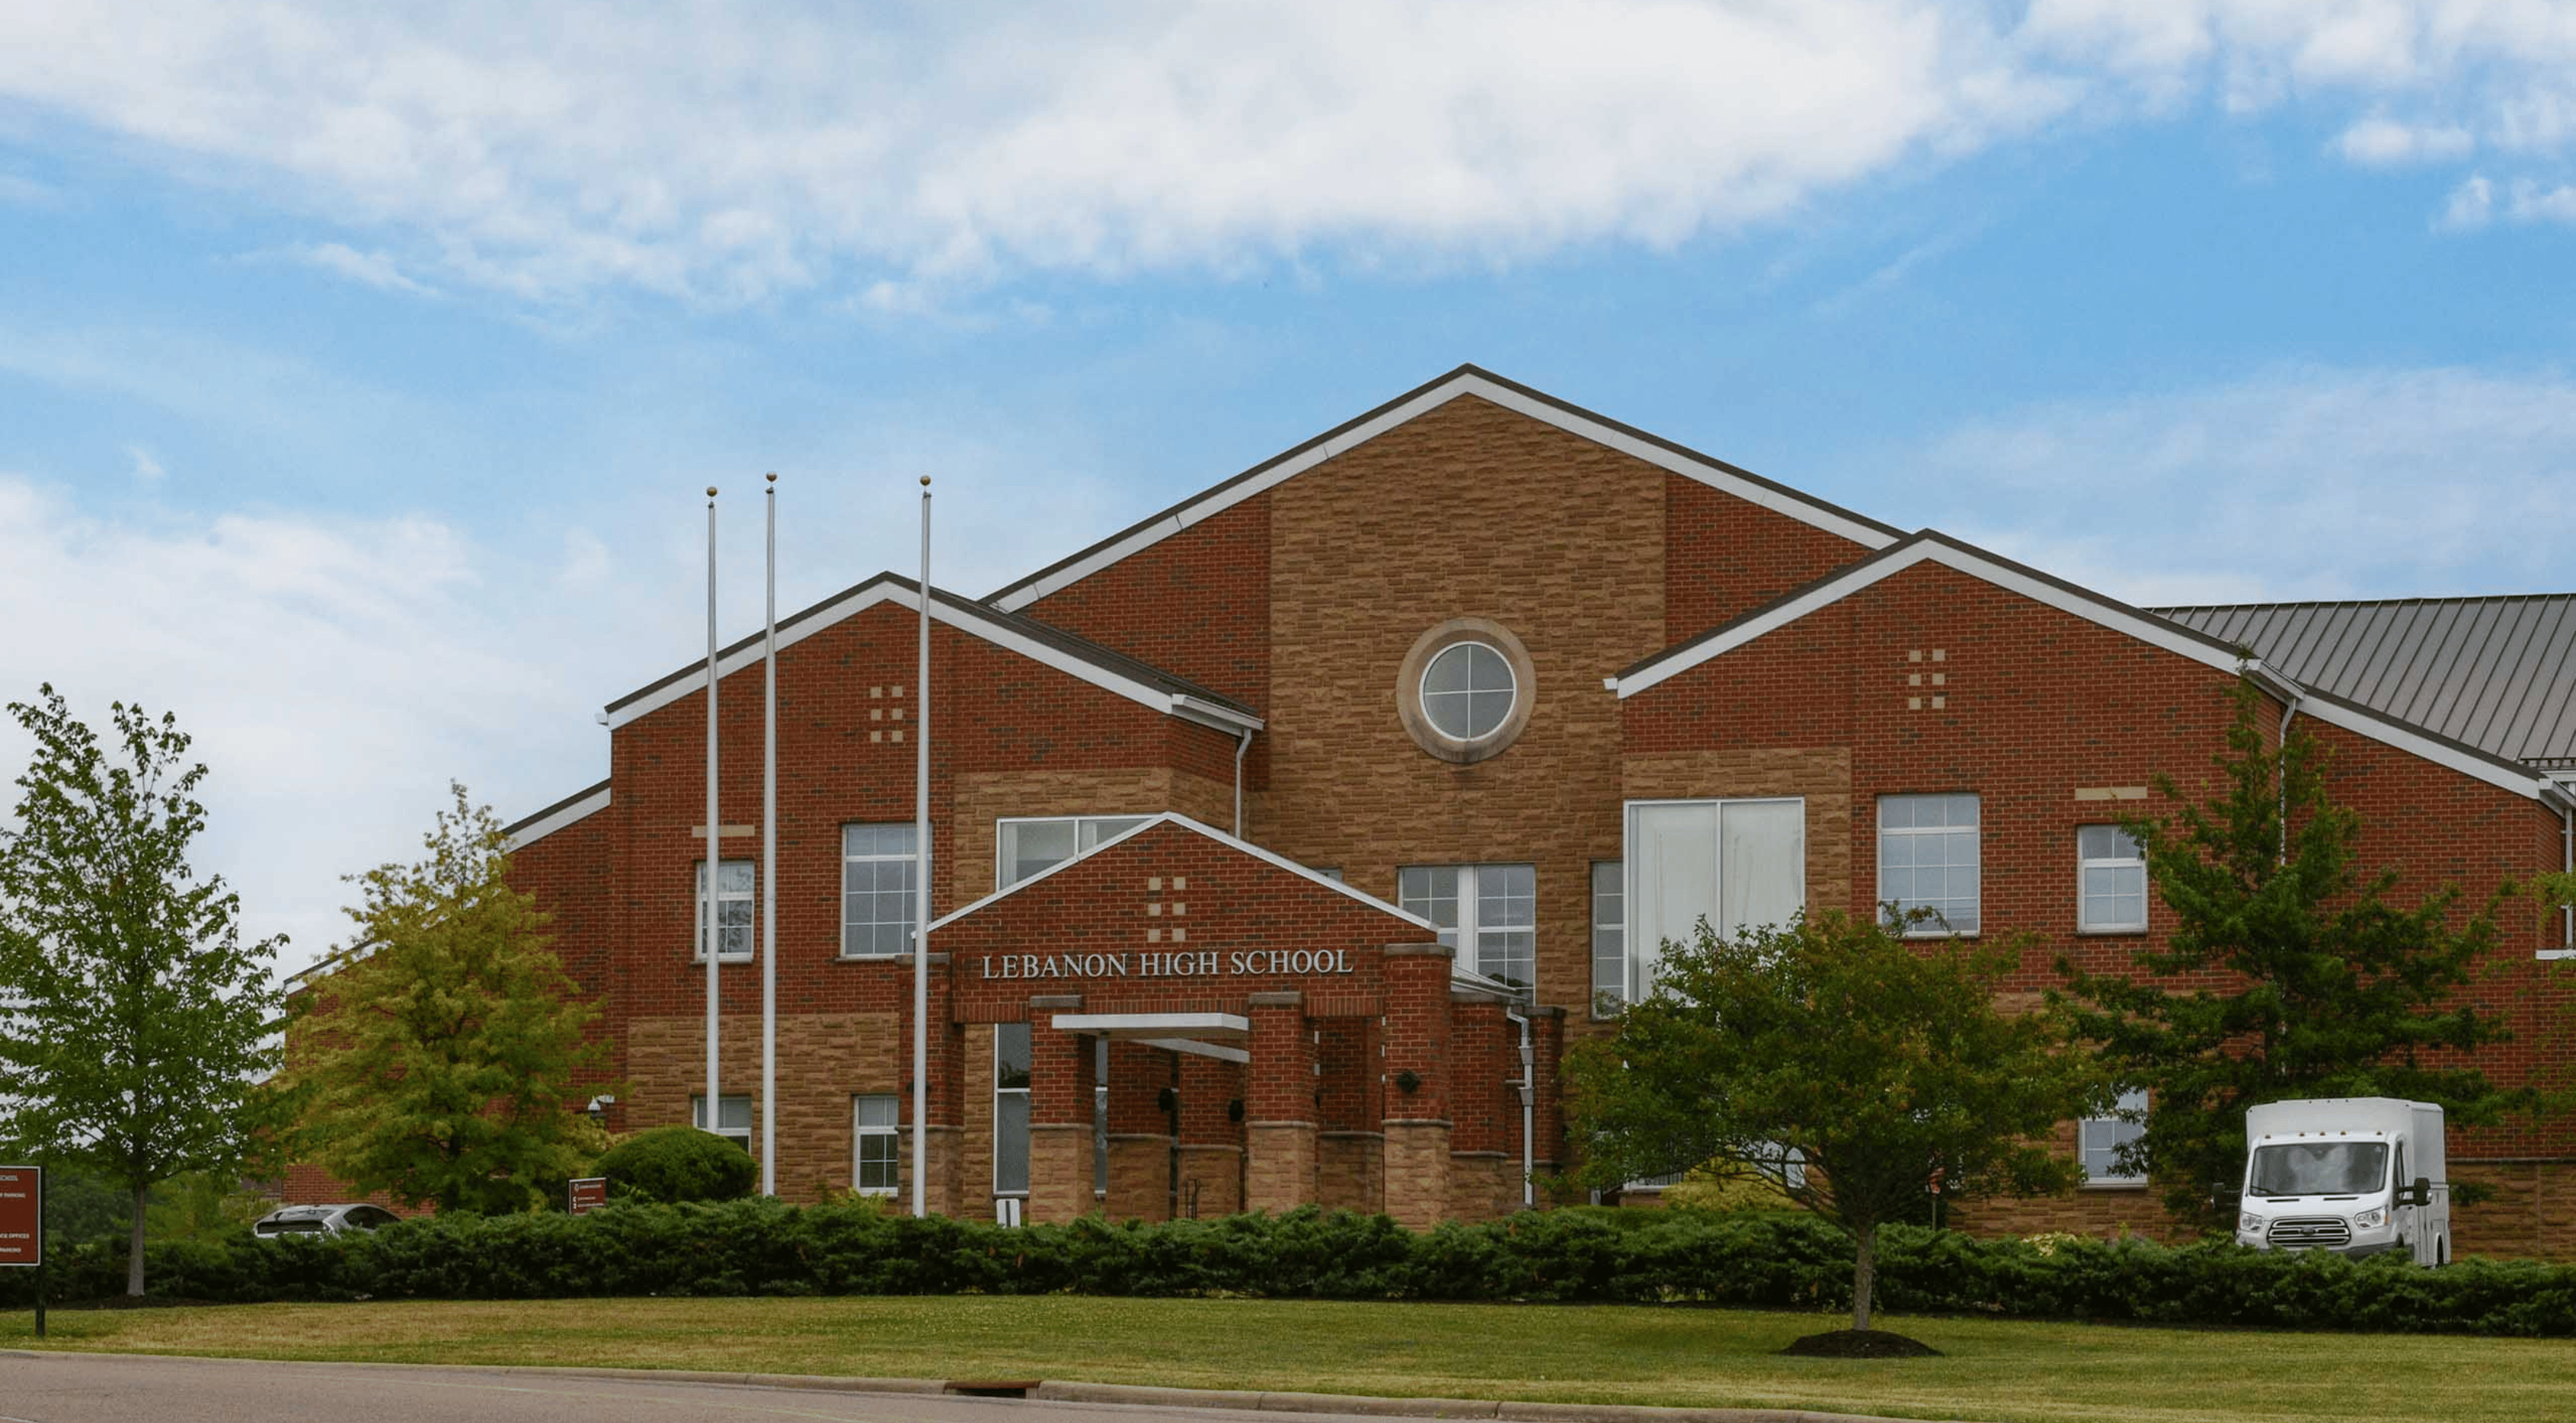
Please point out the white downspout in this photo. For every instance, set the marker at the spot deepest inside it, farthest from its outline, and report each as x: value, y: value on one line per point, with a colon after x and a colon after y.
x: 1529, y: 1123
x: 1239, y: 748
x: 2281, y: 806
x: 2567, y: 862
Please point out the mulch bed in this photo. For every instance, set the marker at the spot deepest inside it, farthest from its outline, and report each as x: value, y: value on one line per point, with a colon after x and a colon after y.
x: 1861, y: 1344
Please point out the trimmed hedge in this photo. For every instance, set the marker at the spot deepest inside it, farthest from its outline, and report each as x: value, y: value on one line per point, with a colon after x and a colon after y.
x: 675, y: 1164
x: 760, y: 1247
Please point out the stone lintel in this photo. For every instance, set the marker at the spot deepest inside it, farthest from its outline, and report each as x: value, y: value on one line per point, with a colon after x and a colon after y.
x: 1055, y: 1000
x: 1435, y: 950
x: 1280, y: 998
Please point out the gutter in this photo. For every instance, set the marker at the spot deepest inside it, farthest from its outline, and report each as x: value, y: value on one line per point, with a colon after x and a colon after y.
x: 1240, y: 747
x: 1529, y: 1111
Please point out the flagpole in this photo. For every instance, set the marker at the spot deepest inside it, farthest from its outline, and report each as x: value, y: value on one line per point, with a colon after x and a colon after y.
x: 921, y: 881
x: 714, y: 931
x: 769, y: 870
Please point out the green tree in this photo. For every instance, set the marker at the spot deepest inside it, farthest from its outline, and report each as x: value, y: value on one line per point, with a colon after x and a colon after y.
x: 1881, y: 1065
x: 2288, y: 973
x: 443, y: 1060
x: 138, y: 1026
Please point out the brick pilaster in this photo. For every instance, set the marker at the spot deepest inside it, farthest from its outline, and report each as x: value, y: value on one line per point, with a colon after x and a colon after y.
x: 1417, y: 1050
x: 1060, y: 1087
x: 1140, y: 1132
x: 1279, y: 1107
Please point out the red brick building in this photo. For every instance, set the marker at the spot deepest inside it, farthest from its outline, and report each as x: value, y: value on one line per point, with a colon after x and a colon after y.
x: 1268, y: 831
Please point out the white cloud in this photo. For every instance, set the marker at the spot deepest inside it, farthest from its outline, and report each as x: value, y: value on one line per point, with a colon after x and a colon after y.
x: 2377, y: 142
x: 2534, y: 202
x: 147, y: 470
x: 2299, y: 483
x: 27, y: 192
x: 375, y: 269
x: 2470, y: 206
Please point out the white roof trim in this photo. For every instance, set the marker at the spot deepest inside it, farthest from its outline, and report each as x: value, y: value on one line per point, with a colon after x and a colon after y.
x: 1195, y: 1048
x: 870, y: 595
x: 1160, y: 1024
x: 537, y: 830
x: 2145, y: 627
x: 1174, y: 817
x: 1219, y: 500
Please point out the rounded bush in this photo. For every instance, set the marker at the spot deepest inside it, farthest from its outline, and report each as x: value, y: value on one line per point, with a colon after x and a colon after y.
x: 675, y: 1164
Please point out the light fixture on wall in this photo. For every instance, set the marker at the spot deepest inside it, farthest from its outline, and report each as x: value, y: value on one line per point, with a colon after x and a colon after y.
x: 599, y: 1105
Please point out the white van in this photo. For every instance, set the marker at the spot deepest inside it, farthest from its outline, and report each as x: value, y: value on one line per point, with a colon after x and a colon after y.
x: 2355, y: 1175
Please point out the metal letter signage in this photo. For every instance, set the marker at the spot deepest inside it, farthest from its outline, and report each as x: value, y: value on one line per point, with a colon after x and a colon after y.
x: 589, y: 1193
x: 22, y: 1215
x: 1175, y: 963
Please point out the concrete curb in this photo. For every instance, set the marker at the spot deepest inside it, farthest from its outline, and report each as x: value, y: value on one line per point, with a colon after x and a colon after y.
x: 1111, y: 1394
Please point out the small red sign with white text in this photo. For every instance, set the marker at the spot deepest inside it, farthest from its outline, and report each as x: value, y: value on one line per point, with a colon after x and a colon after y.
x: 22, y: 1215
x: 588, y: 1194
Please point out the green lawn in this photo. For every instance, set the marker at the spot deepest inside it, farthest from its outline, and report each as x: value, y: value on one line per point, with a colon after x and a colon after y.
x: 1993, y: 1370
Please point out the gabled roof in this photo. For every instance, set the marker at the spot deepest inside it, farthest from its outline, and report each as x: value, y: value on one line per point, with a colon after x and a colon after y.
x: 1174, y: 817
x: 2498, y: 674
x: 1464, y: 381
x: 1079, y: 657
x: 580, y: 805
x: 1929, y: 546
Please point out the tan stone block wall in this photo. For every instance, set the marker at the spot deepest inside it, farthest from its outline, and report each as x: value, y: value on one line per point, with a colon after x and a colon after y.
x: 2533, y: 1213
x: 1350, y: 1171
x: 940, y: 1191
x: 1279, y: 1166
x: 1566, y: 552
x: 1140, y: 1177
x: 824, y: 1059
x: 1059, y: 1171
x: 1211, y: 1181
x: 1477, y: 1183
x: 1417, y: 1173
x: 2103, y: 1212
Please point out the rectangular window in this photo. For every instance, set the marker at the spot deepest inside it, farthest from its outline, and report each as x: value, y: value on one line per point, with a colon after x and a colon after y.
x: 733, y: 910
x: 1010, y: 1109
x: 1609, y: 937
x: 879, y: 876
x: 876, y: 1126
x: 2111, y: 880
x: 733, y: 1118
x: 1487, y: 913
x: 1023, y: 848
x: 1927, y: 859
x: 2099, y: 1139
x: 1739, y: 864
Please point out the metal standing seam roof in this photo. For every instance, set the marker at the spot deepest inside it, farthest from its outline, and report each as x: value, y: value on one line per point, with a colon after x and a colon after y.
x: 2498, y: 674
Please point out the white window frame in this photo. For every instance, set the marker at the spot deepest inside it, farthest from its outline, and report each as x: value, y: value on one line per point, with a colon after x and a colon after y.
x: 1939, y: 927
x: 725, y: 1104
x: 1608, y: 1000
x: 1087, y: 836
x: 1466, y: 940
x: 2083, y: 893
x: 748, y: 897
x: 2087, y: 1131
x: 1511, y: 691
x: 1642, y: 956
x: 888, y: 1132
x: 1022, y: 1092
x: 911, y: 898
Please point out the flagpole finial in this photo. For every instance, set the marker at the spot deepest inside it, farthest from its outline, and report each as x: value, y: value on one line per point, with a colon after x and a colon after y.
x: 773, y: 476
x: 925, y: 481
x: 711, y: 491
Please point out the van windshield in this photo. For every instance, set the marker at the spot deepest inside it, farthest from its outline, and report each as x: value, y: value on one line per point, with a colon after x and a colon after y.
x: 2318, y: 1168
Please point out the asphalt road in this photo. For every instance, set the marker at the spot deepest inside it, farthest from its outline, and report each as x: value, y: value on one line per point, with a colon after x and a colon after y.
x: 74, y: 1388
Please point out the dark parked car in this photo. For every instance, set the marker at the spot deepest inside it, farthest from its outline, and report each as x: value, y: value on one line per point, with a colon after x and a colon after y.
x: 322, y: 1220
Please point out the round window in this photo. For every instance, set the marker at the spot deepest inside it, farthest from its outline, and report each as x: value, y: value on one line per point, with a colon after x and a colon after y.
x: 1468, y: 690
x: 1464, y: 691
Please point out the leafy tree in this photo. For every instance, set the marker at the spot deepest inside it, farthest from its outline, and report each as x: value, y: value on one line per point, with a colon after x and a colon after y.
x: 674, y: 1164
x: 2288, y: 974
x: 1880, y: 1064
x: 443, y: 1059
x: 137, y: 1025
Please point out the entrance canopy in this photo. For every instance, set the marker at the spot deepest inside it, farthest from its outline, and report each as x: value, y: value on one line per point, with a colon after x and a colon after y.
x: 1216, y: 1035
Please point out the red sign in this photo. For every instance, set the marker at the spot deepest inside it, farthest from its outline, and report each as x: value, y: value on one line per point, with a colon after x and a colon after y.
x: 589, y: 1193
x: 22, y: 1215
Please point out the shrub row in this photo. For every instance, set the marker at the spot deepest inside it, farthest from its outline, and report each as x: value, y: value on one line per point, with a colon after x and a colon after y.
x: 758, y: 1247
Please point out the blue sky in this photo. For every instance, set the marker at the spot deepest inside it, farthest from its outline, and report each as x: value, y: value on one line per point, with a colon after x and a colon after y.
x: 359, y: 368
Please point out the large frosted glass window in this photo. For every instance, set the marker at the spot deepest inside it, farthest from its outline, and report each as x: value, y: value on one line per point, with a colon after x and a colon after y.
x: 1010, y: 1109
x: 1739, y: 864
x: 878, y: 875
x: 1927, y: 859
x: 1488, y: 913
x: 1028, y: 847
